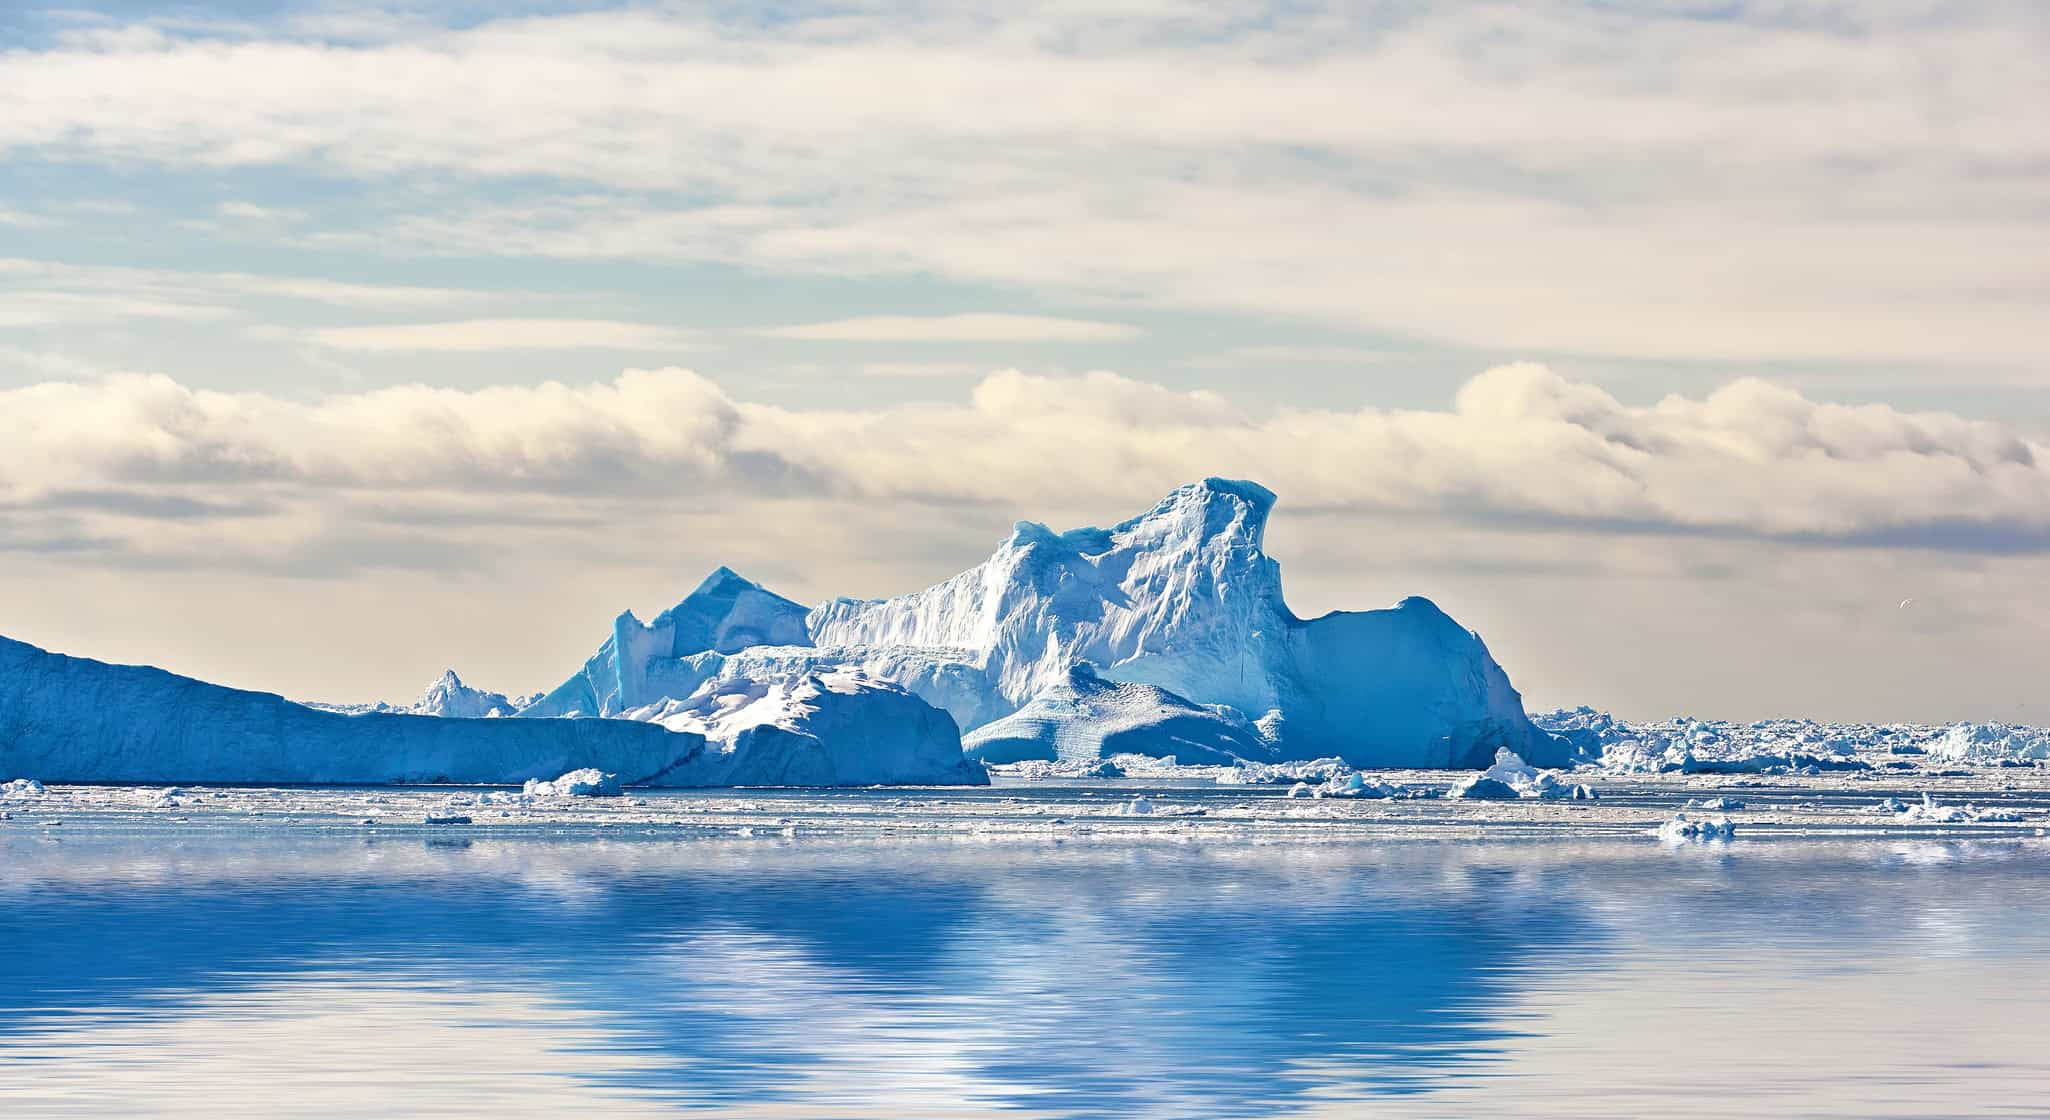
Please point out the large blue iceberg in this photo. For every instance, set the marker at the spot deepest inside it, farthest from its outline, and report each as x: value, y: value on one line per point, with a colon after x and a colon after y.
x: 1182, y: 600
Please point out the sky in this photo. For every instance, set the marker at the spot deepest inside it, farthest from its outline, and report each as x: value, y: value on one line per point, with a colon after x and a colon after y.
x: 1691, y: 352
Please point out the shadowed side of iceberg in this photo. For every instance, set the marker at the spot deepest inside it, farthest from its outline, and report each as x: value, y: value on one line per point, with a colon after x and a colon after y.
x: 73, y: 719
x: 1085, y: 717
x: 1406, y: 686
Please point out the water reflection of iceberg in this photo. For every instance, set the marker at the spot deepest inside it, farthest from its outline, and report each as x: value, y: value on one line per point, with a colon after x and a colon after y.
x: 1079, y: 980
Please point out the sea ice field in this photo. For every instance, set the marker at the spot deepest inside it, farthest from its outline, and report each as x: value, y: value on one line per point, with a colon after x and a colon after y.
x: 1160, y: 944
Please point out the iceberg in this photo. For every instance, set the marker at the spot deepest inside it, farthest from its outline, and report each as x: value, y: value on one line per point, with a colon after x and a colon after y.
x: 1085, y: 717
x: 1510, y: 778
x: 1182, y: 599
x: 822, y: 728
x: 1680, y: 830
x: 577, y: 783
x: 645, y: 663
x: 1991, y: 744
x: 72, y: 719
x: 447, y: 696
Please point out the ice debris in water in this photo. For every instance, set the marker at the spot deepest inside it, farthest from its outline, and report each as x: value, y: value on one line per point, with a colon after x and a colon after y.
x: 1318, y: 770
x: 1358, y: 785
x: 1716, y: 804
x: 21, y: 787
x: 1991, y: 743
x: 1510, y: 779
x: 576, y: 783
x: 1680, y: 829
x: 1930, y: 811
x: 1796, y: 746
x: 1320, y: 777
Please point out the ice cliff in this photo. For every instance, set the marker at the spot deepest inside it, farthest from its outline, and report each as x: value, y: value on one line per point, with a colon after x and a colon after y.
x: 1182, y: 598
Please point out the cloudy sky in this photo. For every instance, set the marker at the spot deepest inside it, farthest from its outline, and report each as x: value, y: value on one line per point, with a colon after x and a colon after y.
x: 1673, y: 345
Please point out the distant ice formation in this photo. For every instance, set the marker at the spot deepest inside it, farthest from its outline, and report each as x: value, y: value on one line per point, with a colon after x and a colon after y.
x: 1787, y: 746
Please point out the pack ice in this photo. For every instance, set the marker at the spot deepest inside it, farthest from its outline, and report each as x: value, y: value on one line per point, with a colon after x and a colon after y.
x: 77, y: 720
x: 1166, y: 634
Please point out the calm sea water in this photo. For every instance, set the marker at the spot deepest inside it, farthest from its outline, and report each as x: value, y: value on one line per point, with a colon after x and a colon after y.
x: 284, y: 974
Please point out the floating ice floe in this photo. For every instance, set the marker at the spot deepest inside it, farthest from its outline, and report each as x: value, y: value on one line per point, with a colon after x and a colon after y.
x: 576, y: 783
x: 1316, y: 770
x: 1510, y: 779
x: 1357, y: 784
x: 1930, y: 811
x: 21, y: 787
x: 1681, y: 829
x: 1040, y: 770
x: 1716, y: 804
x: 1148, y: 807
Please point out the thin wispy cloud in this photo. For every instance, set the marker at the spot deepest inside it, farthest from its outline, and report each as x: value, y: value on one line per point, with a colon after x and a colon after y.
x: 970, y: 327
x: 190, y: 288
x: 1808, y: 182
x: 490, y: 335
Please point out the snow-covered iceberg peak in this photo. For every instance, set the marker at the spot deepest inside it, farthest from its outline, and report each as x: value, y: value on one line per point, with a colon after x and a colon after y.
x: 449, y: 696
x: 726, y: 614
x: 1183, y: 588
x: 1184, y: 597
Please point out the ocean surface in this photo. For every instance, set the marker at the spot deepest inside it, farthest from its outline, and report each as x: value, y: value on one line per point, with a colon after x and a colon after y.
x: 275, y: 971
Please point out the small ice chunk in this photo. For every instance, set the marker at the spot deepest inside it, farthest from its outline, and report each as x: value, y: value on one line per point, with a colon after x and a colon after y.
x: 1139, y: 807
x: 577, y: 783
x: 1930, y: 811
x: 1511, y: 778
x: 1716, y: 804
x: 21, y: 787
x: 1481, y: 787
x: 1680, y: 830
